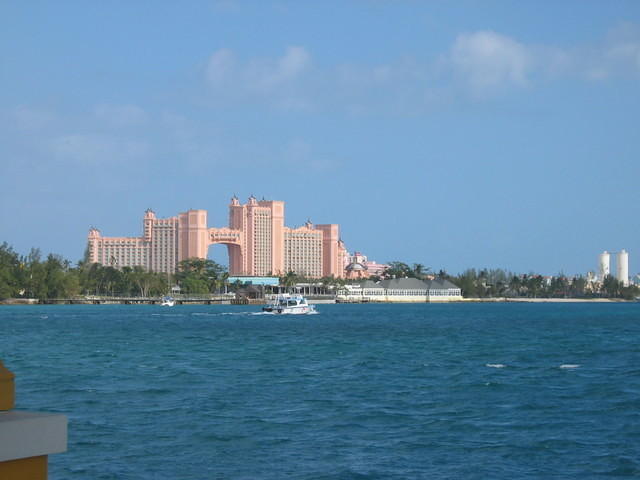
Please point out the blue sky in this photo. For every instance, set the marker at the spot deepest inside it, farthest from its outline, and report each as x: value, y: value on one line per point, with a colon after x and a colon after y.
x: 454, y: 134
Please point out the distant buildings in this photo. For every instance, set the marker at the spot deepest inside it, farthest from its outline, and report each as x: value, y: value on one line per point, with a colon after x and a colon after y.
x: 401, y: 290
x: 358, y: 267
x: 158, y: 249
x: 257, y: 240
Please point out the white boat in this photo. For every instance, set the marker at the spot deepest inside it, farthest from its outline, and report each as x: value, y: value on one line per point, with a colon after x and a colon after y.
x: 286, y: 304
x: 167, y: 301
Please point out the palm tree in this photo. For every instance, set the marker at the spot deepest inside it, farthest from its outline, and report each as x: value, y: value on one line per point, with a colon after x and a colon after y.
x: 515, y: 284
x: 419, y: 270
x: 289, y: 280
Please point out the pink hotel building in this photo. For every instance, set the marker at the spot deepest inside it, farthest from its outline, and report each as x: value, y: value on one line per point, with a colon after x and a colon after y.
x: 257, y: 240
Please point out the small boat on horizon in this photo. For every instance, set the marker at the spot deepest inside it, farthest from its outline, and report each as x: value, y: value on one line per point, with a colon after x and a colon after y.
x: 286, y: 304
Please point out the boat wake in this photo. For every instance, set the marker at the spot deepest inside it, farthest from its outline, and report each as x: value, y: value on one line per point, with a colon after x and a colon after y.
x: 313, y: 312
x: 221, y: 314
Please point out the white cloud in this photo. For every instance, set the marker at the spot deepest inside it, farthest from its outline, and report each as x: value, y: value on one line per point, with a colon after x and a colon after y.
x: 220, y: 67
x: 292, y: 64
x: 482, y: 63
x: 31, y: 118
x: 402, y: 87
x: 554, y: 61
x: 226, y: 5
x: 622, y: 52
x: 597, y: 72
x: 616, y: 57
x: 298, y: 152
x: 269, y: 79
x: 97, y: 149
x: 487, y: 61
x: 627, y: 53
x: 121, y: 115
x: 260, y: 74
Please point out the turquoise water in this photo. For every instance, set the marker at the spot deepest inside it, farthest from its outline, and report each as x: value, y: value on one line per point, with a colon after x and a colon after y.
x: 479, y: 391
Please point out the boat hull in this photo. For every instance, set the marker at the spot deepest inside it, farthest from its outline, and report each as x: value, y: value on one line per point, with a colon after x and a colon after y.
x: 289, y: 310
x: 289, y: 305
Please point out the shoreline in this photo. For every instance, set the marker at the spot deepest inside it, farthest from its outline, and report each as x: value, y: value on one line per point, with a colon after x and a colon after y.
x: 35, y: 301
x: 545, y: 300
x: 570, y: 300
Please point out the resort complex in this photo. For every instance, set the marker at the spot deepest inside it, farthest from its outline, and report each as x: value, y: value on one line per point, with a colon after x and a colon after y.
x: 257, y: 240
x: 261, y: 248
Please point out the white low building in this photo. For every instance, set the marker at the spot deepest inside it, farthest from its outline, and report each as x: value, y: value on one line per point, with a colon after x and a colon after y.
x: 405, y: 290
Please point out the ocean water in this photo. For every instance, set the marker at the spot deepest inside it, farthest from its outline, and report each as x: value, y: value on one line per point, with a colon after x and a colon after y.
x: 469, y: 391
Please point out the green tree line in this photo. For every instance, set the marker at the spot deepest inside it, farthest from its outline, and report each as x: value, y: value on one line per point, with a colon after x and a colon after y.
x: 486, y: 283
x: 501, y: 283
x: 36, y: 276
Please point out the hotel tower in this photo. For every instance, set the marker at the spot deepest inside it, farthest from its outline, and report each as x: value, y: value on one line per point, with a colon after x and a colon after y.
x: 257, y: 240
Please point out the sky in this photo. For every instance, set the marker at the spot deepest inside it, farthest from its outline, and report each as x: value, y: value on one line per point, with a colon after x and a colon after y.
x: 484, y: 134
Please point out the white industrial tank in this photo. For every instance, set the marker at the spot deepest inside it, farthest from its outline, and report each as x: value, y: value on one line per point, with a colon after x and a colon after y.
x: 623, y: 267
x: 604, y: 263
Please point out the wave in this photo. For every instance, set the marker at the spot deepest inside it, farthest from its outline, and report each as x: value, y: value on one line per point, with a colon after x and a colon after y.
x: 495, y: 365
x: 569, y: 365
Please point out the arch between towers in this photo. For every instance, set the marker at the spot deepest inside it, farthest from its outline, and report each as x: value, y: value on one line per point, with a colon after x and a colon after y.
x: 233, y: 239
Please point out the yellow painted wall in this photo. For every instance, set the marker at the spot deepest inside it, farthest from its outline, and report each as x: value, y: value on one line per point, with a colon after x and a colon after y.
x: 33, y: 468
x: 7, y: 390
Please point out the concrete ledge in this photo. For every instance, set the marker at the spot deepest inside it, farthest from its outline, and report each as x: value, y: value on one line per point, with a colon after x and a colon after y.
x: 31, y: 434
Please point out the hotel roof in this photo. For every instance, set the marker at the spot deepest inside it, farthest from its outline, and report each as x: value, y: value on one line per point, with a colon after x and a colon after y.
x: 410, y: 284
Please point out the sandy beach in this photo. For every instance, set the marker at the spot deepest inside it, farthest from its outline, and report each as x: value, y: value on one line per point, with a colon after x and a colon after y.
x: 546, y: 300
